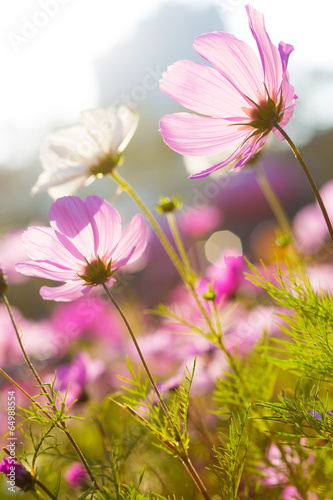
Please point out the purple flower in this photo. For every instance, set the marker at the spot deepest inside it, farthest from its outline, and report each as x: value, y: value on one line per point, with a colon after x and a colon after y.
x: 16, y: 473
x: 238, y: 101
x: 83, y: 247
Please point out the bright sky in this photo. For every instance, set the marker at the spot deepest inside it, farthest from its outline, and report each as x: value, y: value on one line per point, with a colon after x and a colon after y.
x: 48, y: 47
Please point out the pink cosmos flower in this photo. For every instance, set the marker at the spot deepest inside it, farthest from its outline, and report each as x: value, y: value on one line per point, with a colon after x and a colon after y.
x: 83, y: 247
x: 238, y: 100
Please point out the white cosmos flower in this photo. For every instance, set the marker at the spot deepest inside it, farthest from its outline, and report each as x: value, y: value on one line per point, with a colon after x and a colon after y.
x: 74, y: 156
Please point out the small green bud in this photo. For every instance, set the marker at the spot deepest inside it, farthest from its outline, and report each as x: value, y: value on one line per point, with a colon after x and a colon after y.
x: 210, y: 295
x: 283, y: 240
x: 167, y: 204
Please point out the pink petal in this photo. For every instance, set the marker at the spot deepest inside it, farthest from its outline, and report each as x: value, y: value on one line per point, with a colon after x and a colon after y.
x: 244, y: 153
x: 41, y: 243
x: 285, y: 49
x: 269, y: 54
x: 70, y: 217
x: 234, y: 59
x: 196, y: 135
x: 108, y: 224
x: 132, y: 243
x: 201, y: 89
x: 65, y: 293
x: 44, y: 269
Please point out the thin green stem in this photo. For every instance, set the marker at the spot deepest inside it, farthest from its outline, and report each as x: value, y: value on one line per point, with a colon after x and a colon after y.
x: 276, y: 208
x: 164, y: 241
x: 141, y: 356
x: 26, y: 357
x: 195, y: 476
x: 61, y: 425
x: 45, y: 489
x: 309, y: 177
x: 182, y: 455
x: 179, y: 243
x: 15, y: 384
x: 217, y: 319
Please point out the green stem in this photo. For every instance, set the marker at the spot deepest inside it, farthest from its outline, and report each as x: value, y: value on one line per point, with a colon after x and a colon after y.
x: 280, y: 216
x: 15, y: 384
x: 26, y: 357
x: 179, y: 244
x: 45, y: 489
x: 182, y: 455
x: 61, y: 425
x: 309, y: 177
x: 141, y: 356
x: 166, y: 244
x: 164, y: 241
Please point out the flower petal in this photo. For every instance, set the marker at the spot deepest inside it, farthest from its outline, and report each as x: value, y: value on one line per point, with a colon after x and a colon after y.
x: 201, y: 89
x: 41, y: 243
x: 285, y: 49
x: 65, y: 293
x: 243, y: 154
x: 111, y: 129
x: 108, y: 224
x: 132, y: 243
x: 195, y: 135
x: 70, y: 217
x: 69, y: 187
x: 45, y: 269
x: 129, y: 120
x: 269, y: 54
x: 234, y: 59
x: 62, y: 182
x: 68, y: 147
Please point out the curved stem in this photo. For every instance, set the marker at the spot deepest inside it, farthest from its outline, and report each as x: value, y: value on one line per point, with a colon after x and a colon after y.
x: 179, y: 244
x: 309, y: 177
x: 26, y: 357
x: 279, y: 213
x: 183, y: 456
x: 164, y: 241
x: 15, y: 384
x: 61, y: 425
x: 196, y: 478
x: 44, y: 488
x: 141, y: 356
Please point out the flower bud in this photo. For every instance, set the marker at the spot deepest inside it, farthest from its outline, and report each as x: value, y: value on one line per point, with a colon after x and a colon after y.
x: 168, y: 204
x: 17, y: 473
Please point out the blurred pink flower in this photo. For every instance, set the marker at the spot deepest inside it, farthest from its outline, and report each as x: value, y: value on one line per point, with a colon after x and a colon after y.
x: 89, y: 316
x: 74, y: 156
x: 240, y: 99
x: 277, y: 474
x: 76, y: 474
x: 11, y: 251
x: 309, y: 226
x: 226, y: 276
x: 83, y: 246
x: 198, y: 222
x: 77, y: 375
